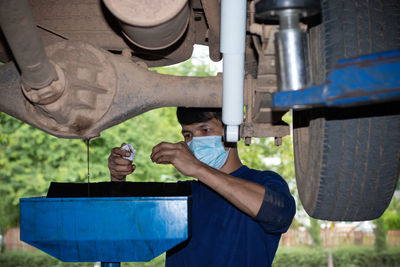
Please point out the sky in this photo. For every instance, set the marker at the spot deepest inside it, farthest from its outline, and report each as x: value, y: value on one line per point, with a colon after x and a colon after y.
x: 200, y: 55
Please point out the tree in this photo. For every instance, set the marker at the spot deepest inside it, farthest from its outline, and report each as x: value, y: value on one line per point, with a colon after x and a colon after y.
x: 380, y: 235
x: 391, y: 217
x: 314, y: 229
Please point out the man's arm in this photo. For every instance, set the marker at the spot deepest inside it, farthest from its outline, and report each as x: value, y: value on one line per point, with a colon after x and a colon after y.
x: 271, y: 204
x: 245, y: 195
x: 278, y: 208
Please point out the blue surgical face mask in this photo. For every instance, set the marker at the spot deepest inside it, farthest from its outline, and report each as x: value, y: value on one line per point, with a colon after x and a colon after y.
x: 209, y: 150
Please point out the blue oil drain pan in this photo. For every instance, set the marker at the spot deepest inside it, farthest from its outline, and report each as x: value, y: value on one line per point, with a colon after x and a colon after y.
x: 119, y: 222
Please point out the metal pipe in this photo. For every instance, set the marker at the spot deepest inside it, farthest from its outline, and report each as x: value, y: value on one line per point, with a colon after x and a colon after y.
x: 19, y: 28
x: 233, y: 43
x: 292, y: 52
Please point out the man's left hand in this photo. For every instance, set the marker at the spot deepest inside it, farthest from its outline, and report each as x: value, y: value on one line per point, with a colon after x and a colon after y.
x: 177, y: 154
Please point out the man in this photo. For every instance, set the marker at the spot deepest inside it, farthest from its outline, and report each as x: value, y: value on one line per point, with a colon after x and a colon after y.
x: 238, y: 214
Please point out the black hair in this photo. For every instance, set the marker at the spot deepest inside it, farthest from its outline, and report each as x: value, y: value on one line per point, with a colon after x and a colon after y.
x: 188, y: 116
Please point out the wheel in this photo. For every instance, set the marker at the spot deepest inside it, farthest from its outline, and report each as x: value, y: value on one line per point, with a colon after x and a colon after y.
x: 347, y: 160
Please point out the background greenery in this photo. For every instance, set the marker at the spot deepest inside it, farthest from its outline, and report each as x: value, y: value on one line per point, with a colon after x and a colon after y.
x: 285, y: 257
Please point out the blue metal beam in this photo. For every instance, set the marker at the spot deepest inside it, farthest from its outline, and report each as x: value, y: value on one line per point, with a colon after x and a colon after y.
x: 365, y: 80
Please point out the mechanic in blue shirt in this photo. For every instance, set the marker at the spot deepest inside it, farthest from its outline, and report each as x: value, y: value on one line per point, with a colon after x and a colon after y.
x: 238, y: 214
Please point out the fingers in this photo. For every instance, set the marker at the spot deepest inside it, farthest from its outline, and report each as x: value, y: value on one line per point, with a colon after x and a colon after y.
x: 117, y: 177
x: 122, y: 170
x: 116, y: 155
x: 163, y: 145
x: 118, y: 166
x: 117, y: 151
x: 165, y: 153
x: 164, y: 156
x: 121, y: 167
x: 121, y: 161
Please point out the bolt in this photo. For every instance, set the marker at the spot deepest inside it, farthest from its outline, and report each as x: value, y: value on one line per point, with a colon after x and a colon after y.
x: 278, y: 141
x: 142, y: 64
x: 247, y: 140
x: 126, y: 53
x: 34, y: 98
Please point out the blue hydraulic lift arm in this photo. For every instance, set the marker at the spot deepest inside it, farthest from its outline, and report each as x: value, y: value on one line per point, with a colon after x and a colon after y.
x: 364, y: 80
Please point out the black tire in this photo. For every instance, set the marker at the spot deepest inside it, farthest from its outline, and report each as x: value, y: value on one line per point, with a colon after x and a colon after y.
x: 347, y: 160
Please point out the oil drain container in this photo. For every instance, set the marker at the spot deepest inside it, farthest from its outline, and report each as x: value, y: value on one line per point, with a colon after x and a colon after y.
x: 120, y: 222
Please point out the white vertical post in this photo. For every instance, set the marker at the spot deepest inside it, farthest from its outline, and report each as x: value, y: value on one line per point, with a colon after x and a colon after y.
x: 233, y: 43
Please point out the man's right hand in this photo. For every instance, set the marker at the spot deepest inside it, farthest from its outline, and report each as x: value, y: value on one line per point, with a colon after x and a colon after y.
x: 119, y: 167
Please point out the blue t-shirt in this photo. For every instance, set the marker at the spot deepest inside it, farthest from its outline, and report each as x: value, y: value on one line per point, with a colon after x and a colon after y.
x: 222, y: 235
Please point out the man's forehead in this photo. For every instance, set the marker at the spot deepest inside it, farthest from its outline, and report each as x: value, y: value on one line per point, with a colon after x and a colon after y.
x: 196, y: 125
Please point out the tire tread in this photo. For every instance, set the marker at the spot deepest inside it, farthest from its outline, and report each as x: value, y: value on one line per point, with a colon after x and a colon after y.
x: 360, y: 162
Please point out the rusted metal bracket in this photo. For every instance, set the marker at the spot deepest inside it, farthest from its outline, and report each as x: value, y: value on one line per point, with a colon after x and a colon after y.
x: 260, y: 119
x: 269, y: 125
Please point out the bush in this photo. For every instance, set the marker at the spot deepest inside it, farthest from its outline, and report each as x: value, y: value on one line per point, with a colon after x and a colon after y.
x: 40, y: 259
x: 366, y: 257
x: 33, y: 259
x: 351, y: 256
x: 287, y: 257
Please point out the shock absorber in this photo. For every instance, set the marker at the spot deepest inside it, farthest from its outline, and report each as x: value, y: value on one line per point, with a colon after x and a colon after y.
x: 291, y: 44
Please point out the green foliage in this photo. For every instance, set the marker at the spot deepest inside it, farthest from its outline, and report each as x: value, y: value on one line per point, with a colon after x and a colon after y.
x: 391, y: 217
x: 314, y: 229
x: 380, y: 234
x: 366, y: 257
x: 40, y: 259
x: 300, y: 257
x: 143, y: 132
x: 351, y: 256
x: 262, y: 154
x: 392, y: 220
x: 34, y: 259
x: 28, y: 159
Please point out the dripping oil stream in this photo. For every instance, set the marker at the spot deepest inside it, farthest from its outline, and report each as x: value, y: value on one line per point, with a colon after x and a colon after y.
x: 88, y: 166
